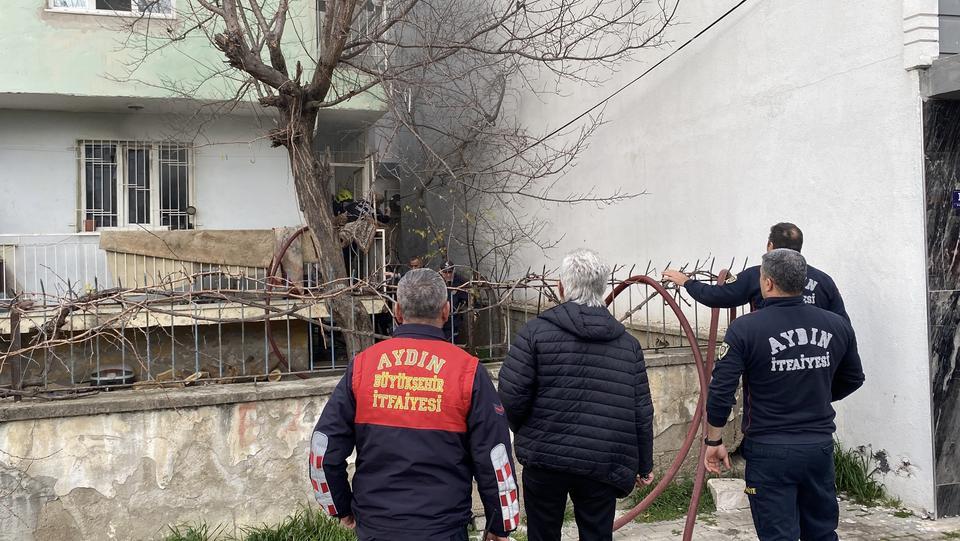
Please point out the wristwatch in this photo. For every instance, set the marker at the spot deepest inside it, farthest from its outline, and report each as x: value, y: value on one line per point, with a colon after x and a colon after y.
x: 712, y: 443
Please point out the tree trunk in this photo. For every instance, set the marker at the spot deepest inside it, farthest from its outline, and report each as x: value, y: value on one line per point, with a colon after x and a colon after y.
x: 311, y: 179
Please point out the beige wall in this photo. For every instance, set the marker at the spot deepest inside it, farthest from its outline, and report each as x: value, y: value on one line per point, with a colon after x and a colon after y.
x: 125, y: 465
x: 230, y: 459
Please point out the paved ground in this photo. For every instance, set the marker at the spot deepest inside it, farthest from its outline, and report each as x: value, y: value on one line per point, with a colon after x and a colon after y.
x: 856, y: 523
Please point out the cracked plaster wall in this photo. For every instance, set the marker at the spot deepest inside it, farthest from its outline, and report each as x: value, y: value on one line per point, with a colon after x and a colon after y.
x: 129, y: 475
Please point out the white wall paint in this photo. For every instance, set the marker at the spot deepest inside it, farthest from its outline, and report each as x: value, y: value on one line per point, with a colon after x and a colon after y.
x: 241, y: 182
x: 788, y: 111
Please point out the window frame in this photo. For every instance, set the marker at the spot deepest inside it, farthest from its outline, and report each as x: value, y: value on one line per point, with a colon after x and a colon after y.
x: 112, y: 13
x: 122, y: 186
x: 363, y: 17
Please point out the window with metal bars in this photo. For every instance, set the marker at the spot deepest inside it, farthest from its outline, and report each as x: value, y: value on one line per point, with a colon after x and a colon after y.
x: 135, y: 184
x: 159, y: 8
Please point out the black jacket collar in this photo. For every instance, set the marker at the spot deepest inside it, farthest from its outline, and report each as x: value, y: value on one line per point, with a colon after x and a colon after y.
x: 417, y: 330
x: 783, y: 301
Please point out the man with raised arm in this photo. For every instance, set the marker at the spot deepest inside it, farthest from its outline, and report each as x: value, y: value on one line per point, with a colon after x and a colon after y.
x: 743, y: 288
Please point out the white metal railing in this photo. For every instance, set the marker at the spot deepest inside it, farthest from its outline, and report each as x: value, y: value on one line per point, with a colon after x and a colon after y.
x: 194, y: 336
x: 42, y: 268
x: 370, y: 266
x: 57, y: 265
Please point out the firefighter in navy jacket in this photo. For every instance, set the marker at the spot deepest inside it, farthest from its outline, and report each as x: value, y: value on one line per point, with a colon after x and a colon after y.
x: 819, y: 289
x: 426, y: 420
x: 795, y: 360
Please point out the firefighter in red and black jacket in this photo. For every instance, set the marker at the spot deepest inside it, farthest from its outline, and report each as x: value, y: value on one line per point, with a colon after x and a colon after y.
x: 425, y: 419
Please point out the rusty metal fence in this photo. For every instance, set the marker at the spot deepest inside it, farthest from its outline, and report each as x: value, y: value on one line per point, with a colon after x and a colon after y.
x: 223, y: 326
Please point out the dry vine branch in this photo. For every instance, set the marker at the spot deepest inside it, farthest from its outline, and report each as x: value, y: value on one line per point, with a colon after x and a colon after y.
x: 449, y: 73
x: 118, y: 311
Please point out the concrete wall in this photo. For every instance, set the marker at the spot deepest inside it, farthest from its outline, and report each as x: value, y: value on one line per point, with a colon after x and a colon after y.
x: 241, y: 183
x: 126, y: 464
x: 117, y: 467
x: 787, y: 111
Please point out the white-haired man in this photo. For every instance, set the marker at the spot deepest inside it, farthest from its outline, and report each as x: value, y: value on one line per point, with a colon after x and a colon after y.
x: 425, y: 419
x: 575, y: 388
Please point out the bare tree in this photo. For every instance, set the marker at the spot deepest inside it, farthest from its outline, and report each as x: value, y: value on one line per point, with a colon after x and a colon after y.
x: 469, y: 156
x: 449, y: 72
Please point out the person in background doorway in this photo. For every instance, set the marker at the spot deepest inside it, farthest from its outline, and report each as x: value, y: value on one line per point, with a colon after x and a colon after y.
x: 351, y: 210
x: 458, y: 303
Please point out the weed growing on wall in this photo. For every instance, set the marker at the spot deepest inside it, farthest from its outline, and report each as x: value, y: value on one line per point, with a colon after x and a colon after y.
x: 856, y: 476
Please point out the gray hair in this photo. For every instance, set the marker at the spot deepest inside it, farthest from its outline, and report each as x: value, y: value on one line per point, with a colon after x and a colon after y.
x: 584, y: 277
x: 421, y: 294
x: 787, y: 268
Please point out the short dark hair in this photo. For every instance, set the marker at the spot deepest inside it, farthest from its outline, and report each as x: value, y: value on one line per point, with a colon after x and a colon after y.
x: 787, y: 268
x: 786, y: 235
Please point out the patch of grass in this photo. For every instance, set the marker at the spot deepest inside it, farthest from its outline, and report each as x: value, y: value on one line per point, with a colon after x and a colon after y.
x: 186, y: 532
x: 519, y: 536
x: 952, y: 535
x: 902, y: 513
x: 304, y: 525
x: 568, y: 515
x: 673, y: 502
x: 894, y: 503
x: 483, y: 353
x: 856, y: 476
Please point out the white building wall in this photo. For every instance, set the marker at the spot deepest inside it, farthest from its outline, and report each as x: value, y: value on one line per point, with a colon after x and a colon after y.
x: 241, y: 183
x: 787, y: 111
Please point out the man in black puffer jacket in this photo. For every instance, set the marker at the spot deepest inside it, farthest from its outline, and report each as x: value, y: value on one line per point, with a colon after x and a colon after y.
x: 575, y: 390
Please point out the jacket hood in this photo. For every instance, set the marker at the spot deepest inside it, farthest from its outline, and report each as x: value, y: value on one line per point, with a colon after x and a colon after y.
x: 590, y: 323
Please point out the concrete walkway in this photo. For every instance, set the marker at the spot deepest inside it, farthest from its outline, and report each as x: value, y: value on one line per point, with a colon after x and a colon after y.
x: 856, y: 523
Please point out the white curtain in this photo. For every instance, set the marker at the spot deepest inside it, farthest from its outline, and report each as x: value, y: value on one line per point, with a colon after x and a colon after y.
x: 70, y: 3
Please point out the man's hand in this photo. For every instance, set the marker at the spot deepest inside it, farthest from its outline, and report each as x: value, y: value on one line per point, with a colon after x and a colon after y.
x: 495, y: 537
x: 348, y: 522
x: 715, y: 458
x: 675, y: 276
x: 645, y: 480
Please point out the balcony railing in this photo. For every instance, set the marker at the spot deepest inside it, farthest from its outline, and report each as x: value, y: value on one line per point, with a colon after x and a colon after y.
x: 43, y: 269
x: 81, y: 315
x: 241, y: 326
x: 37, y: 267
